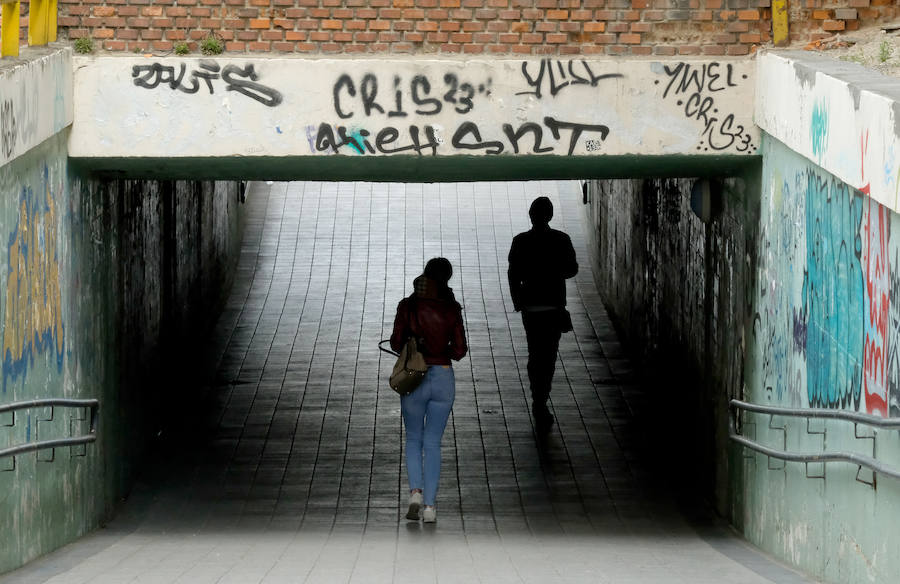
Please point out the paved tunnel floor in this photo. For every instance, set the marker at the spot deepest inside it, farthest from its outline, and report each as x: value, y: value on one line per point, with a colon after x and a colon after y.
x: 300, y: 476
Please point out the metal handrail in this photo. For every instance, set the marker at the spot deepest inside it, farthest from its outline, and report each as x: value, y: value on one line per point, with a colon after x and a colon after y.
x: 823, y: 457
x: 867, y: 419
x: 93, y: 404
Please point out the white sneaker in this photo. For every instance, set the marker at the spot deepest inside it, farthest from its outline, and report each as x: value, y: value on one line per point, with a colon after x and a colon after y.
x: 429, y: 515
x: 415, y: 503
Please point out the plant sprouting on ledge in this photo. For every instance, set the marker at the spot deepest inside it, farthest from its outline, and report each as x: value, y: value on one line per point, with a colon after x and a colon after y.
x: 182, y: 48
x: 84, y: 45
x: 211, y: 45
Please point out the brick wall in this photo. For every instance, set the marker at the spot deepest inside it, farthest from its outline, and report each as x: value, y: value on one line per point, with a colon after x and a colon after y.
x: 473, y: 27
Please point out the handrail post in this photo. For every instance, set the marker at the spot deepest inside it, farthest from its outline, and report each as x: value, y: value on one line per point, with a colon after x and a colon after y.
x: 38, y: 20
x: 9, y: 29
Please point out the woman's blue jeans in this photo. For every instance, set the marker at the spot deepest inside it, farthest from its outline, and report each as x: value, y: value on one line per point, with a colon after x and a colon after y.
x: 425, y: 413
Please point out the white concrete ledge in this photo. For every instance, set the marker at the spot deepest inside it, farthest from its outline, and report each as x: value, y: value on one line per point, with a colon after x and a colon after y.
x: 35, y: 99
x: 840, y: 115
x: 257, y: 107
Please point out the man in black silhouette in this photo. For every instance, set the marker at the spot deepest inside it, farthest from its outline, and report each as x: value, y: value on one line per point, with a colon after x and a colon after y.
x: 540, y: 260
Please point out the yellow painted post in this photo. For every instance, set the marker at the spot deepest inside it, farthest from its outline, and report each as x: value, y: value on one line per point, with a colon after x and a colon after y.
x: 51, y: 20
x: 9, y: 29
x: 37, y: 22
x: 780, y: 23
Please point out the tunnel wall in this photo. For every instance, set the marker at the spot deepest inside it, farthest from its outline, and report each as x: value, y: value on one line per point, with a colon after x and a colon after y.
x: 107, y: 288
x: 678, y: 288
x: 825, y: 334
x: 784, y: 293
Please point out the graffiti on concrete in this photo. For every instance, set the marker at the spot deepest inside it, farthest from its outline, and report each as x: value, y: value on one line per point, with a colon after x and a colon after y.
x: 422, y: 95
x: 561, y: 74
x: 834, y: 278
x: 32, y: 321
x: 818, y: 128
x: 876, y: 231
x: 779, y: 327
x: 694, y: 87
x: 467, y: 136
x: 8, y: 131
x: 893, y: 345
x: 240, y: 79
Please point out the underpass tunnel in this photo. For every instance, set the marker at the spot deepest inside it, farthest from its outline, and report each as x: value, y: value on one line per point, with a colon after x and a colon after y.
x: 299, y: 425
x: 277, y: 446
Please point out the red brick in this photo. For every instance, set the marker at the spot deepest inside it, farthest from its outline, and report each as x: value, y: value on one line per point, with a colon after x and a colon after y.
x: 294, y: 35
x: 604, y: 39
x: 748, y: 15
x: 557, y: 14
x: 594, y: 26
x: 738, y: 50
x: 834, y: 25
x: 641, y: 50
x: 640, y: 27
x: 717, y: 50
x: 630, y: 38
x: 152, y: 11
x: 258, y: 46
x: 821, y: 14
x: 104, y: 10
x: 664, y: 51
x: 326, y: 24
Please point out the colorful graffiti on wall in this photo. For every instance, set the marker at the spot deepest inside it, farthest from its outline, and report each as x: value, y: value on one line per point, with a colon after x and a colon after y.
x: 32, y: 321
x: 830, y: 339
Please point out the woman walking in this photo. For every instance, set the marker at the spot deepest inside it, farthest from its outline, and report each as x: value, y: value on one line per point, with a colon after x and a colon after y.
x: 432, y: 315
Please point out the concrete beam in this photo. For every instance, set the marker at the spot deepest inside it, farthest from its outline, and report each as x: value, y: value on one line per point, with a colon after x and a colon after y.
x: 35, y: 99
x: 287, y: 108
x: 840, y: 115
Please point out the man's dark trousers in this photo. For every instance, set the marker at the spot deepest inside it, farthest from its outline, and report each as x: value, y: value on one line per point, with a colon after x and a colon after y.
x: 542, y: 333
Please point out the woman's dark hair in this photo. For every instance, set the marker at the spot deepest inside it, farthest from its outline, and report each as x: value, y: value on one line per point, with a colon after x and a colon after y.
x: 440, y: 271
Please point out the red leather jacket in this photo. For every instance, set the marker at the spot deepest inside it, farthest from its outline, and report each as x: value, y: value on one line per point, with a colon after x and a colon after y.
x: 437, y: 321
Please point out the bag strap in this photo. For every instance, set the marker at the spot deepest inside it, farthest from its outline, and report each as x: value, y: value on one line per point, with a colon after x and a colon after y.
x: 390, y: 351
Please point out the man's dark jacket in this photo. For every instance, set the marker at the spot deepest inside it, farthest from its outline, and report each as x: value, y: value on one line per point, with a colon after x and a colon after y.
x: 540, y: 260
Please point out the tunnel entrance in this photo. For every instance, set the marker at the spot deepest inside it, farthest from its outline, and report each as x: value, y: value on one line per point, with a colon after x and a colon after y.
x: 301, y: 427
